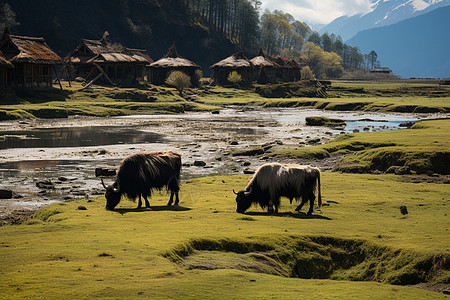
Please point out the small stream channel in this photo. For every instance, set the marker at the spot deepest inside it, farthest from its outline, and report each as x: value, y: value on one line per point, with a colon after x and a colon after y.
x: 67, y: 152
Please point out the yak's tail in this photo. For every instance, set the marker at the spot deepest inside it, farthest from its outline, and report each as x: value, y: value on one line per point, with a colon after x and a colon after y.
x: 319, y: 200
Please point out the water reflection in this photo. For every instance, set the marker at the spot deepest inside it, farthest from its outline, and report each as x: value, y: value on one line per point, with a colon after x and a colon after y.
x: 76, y: 137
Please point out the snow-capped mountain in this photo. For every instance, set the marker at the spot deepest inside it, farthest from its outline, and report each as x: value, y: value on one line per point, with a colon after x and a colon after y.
x: 382, y: 13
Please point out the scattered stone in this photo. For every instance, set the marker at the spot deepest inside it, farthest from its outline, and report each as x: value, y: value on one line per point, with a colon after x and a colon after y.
x: 47, y: 184
x: 104, y: 172
x: 199, y: 163
x: 234, y: 143
x: 246, y: 163
x: 81, y: 207
x: 406, y: 124
x: 215, y: 112
x: 355, y: 130
x: 249, y: 171
x: 403, y: 210
x: 63, y: 179
x: 6, y: 194
x: 313, y: 141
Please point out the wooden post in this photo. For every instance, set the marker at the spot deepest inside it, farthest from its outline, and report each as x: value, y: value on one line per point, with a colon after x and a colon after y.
x: 92, y: 82
x: 103, y: 72
x: 57, y: 78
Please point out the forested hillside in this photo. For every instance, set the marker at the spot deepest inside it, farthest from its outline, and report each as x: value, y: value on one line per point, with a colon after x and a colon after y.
x: 149, y: 24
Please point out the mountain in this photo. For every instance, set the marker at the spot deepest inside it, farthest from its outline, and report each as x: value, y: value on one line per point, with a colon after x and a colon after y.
x: 153, y: 25
x: 416, y: 47
x: 382, y: 13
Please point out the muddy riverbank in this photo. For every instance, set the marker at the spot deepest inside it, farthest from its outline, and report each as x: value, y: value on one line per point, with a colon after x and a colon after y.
x: 47, y: 161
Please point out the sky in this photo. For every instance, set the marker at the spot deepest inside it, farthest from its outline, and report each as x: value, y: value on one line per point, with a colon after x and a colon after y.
x: 316, y: 12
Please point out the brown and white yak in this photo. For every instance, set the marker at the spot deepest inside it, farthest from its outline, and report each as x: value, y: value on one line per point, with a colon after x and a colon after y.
x: 272, y: 181
x: 140, y: 174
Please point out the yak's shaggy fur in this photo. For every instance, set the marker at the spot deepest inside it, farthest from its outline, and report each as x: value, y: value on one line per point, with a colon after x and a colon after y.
x: 140, y: 174
x: 273, y: 181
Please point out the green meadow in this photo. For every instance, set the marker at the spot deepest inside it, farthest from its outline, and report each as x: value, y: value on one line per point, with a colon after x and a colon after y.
x: 424, y: 148
x: 403, y: 96
x: 358, y: 245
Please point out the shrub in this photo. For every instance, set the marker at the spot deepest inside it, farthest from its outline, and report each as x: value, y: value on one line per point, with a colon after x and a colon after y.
x: 234, y: 77
x: 178, y: 80
x: 307, y: 74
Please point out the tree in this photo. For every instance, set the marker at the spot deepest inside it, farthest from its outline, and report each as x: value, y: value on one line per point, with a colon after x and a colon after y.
x: 373, y: 57
x: 7, y: 15
x: 178, y: 80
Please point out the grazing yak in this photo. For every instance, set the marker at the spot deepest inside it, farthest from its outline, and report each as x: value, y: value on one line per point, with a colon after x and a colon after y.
x: 140, y: 174
x: 273, y: 180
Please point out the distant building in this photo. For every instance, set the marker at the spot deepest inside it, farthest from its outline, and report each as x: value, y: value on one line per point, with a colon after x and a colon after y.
x: 264, y: 70
x: 236, y: 62
x: 383, y: 70
x: 172, y: 61
x: 288, y: 70
x: 5, y: 66
x: 33, y: 60
x: 120, y: 65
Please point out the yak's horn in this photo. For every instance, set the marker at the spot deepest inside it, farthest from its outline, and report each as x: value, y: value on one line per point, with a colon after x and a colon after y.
x: 246, y: 193
x: 117, y: 189
x: 234, y: 192
x: 104, y: 185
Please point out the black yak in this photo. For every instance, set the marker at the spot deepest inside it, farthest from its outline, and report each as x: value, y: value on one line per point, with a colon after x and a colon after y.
x: 272, y: 181
x: 140, y: 174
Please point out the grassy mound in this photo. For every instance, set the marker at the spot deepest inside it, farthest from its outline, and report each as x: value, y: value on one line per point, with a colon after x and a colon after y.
x: 204, y: 249
x: 324, y: 121
x: 423, y: 148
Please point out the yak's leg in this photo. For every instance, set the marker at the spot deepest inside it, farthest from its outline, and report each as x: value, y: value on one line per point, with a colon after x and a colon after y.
x: 139, y: 202
x: 301, y: 204
x: 311, y: 203
x: 171, y: 199
x: 147, y: 204
x: 177, y: 200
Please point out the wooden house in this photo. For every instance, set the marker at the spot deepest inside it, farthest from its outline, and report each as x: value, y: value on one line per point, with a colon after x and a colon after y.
x: 34, y: 62
x: 172, y: 61
x: 119, y: 65
x: 236, y: 62
x: 264, y: 69
x: 288, y: 70
x: 5, y: 69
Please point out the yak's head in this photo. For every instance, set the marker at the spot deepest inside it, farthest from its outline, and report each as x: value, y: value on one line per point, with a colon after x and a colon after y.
x: 112, y: 196
x: 244, y: 200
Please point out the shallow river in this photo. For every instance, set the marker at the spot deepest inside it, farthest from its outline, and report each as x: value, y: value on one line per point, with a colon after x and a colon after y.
x: 67, y: 151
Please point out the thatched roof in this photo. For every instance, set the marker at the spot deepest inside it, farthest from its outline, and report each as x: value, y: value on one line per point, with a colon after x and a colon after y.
x: 173, y: 60
x: 286, y: 63
x: 235, y: 61
x: 30, y: 50
x: 138, y: 54
x: 118, y: 58
x: 262, y: 61
x: 4, y: 63
x: 97, y: 47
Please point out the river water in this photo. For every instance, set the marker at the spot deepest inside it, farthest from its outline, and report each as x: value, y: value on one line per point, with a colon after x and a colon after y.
x: 67, y: 151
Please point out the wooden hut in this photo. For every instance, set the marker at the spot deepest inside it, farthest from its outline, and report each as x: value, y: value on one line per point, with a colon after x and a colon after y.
x: 287, y: 70
x: 33, y: 60
x: 172, y: 61
x: 5, y: 69
x: 264, y: 70
x: 236, y: 62
x: 119, y: 65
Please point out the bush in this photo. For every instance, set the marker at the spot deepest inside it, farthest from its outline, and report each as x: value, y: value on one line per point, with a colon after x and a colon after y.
x: 234, y: 77
x: 178, y: 80
x: 307, y: 74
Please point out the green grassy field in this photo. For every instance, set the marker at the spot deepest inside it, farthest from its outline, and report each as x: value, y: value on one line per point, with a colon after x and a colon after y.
x: 356, y: 246
x: 425, y: 147
x: 394, y: 96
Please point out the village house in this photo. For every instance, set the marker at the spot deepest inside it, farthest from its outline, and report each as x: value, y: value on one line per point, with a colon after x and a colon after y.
x: 236, y: 62
x: 265, y: 70
x: 382, y: 70
x: 110, y: 63
x: 288, y: 70
x: 172, y: 61
x: 5, y: 66
x: 33, y: 60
